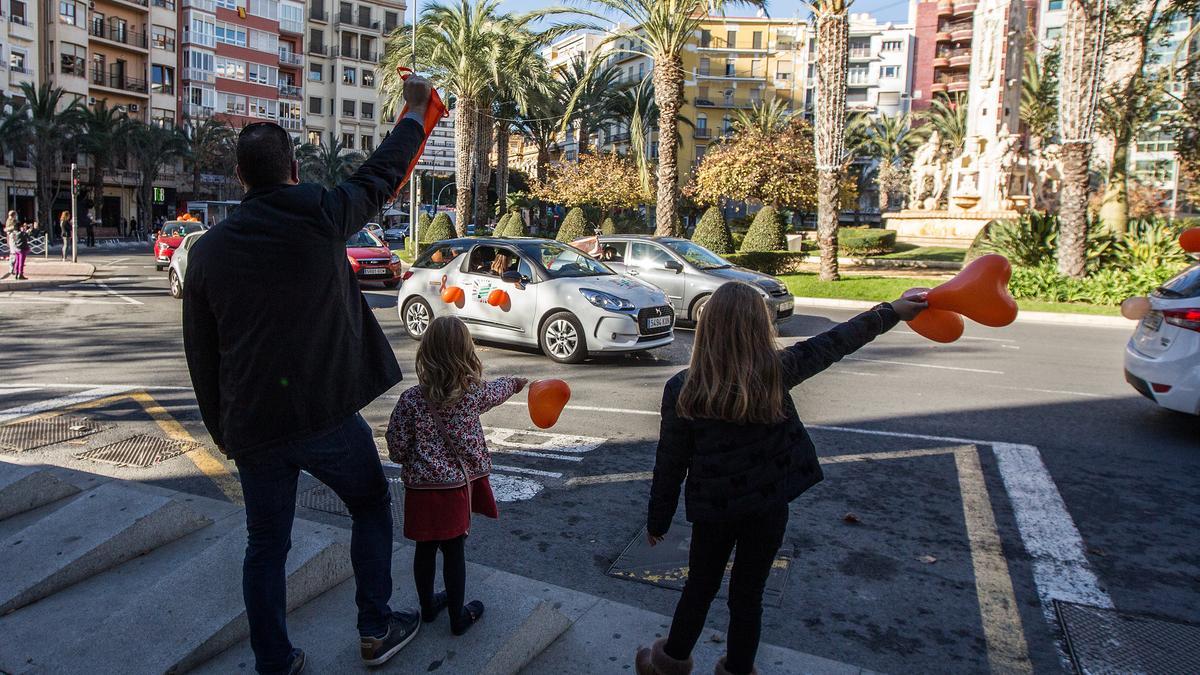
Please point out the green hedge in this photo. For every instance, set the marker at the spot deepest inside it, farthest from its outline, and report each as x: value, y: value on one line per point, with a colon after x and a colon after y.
x: 574, y: 227
x: 438, y: 229
x: 862, y: 241
x: 769, y: 262
x: 516, y: 226
x: 766, y: 233
x: 1106, y: 286
x: 712, y: 233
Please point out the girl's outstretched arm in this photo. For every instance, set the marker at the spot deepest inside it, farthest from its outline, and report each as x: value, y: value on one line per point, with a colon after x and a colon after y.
x: 497, y: 391
x: 809, y: 357
x: 670, y: 466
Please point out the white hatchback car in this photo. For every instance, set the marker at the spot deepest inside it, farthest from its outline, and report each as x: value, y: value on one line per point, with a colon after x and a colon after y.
x: 178, y: 267
x: 1162, y: 359
x: 558, y: 298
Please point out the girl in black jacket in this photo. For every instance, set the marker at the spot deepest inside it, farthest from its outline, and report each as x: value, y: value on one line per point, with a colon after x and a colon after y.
x: 730, y: 427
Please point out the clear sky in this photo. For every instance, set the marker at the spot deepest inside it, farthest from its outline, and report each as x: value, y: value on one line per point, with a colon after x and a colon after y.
x: 883, y: 10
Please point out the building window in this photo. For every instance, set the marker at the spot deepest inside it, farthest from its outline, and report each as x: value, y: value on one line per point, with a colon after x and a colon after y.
x: 162, y: 117
x: 163, y: 38
x: 756, y: 39
x: 16, y: 12
x: 705, y: 38
x: 263, y: 107
x: 368, y: 143
x: 314, y: 72
x: 202, y: 97
x: 314, y: 105
x: 267, y: 9
x: 264, y: 42
x: 730, y: 67
x: 314, y: 138
x: 291, y: 18
x: 69, y: 12
x: 262, y: 74
x: 368, y: 111
x: 162, y: 79
x: 230, y: 69
x: 889, y: 72
x: 231, y: 103
x: 641, y: 70
x: 858, y: 74
x: 348, y: 141
x: 368, y: 78
x: 1054, y: 5
x: 349, y: 75
x: 231, y: 34
x: 348, y: 107
x: 201, y: 63
x: 756, y: 68
x: 731, y: 38
x: 72, y: 59
x: 202, y: 32
x: 231, y: 4
x: 891, y: 45
x: 16, y: 60
x: 1053, y: 33
x: 390, y: 20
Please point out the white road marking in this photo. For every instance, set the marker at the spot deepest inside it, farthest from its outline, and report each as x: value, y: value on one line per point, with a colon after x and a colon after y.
x: 540, y: 440
x: 57, y: 301
x: 513, y: 488
x: 531, y: 472
x: 964, y: 337
x: 926, y: 365
x: 126, y: 298
x: 89, y: 385
x: 540, y: 455
x: 59, y: 402
x: 9, y: 390
x: 1049, y: 391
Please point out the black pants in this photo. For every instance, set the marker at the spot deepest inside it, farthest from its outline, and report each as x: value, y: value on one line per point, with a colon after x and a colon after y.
x: 757, y: 540
x: 454, y: 574
x: 91, y: 236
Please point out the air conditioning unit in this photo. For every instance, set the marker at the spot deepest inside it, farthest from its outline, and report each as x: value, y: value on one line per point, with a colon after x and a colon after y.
x: 91, y: 100
x: 133, y: 107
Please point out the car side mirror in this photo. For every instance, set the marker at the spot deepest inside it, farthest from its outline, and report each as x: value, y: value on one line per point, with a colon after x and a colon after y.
x: 674, y: 265
x: 512, y: 277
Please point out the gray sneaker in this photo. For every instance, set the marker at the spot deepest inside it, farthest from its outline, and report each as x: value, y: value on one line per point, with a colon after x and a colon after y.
x: 402, y: 628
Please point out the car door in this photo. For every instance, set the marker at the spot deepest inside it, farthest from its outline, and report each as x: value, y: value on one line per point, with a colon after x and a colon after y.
x: 648, y: 261
x: 480, y: 275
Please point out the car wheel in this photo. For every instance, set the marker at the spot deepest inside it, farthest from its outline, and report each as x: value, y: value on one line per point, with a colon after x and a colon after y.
x: 391, y: 284
x: 176, y: 285
x: 562, y: 338
x: 698, y: 309
x: 417, y: 317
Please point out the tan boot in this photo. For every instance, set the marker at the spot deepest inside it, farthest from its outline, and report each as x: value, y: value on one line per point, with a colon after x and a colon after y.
x: 720, y: 670
x: 654, y: 661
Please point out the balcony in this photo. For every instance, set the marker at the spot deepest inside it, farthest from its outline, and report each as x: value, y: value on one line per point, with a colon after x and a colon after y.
x: 318, y: 49
x: 290, y: 91
x: 957, y: 86
x: 941, y: 62
x: 965, y: 7
x: 937, y: 88
x: 702, y: 133
x: 945, y: 7
x: 136, y: 3
x: 952, y: 83
x: 119, y: 34
x: 199, y: 39
x: 961, y: 60
x: 746, y: 103
x: 860, y: 54
x: 726, y: 74
x: 291, y: 123
x: 209, y: 6
x: 164, y: 4
x: 942, y: 36
x: 720, y: 44
x: 318, y: 14
x: 294, y: 27
x: 197, y: 75
x: 962, y: 35
x: 288, y: 57
x: 195, y: 110
x: 118, y: 81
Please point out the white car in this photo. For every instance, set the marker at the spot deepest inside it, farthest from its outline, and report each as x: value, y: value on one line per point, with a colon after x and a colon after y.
x: 1162, y: 359
x: 178, y: 267
x: 558, y: 298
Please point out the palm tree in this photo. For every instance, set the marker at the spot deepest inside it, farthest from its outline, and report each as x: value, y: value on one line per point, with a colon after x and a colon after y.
x: 327, y: 165
x: 891, y: 140
x: 539, y: 122
x: 152, y: 148
x: 948, y: 117
x: 661, y: 30
x: 209, y: 140
x: 1039, y: 96
x: 829, y: 128
x: 639, y: 113
x: 47, y: 128
x: 1082, y: 44
x: 102, y: 132
x: 765, y: 117
x: 595, y: 83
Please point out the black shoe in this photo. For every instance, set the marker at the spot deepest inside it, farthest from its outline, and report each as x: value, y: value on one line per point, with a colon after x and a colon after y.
x: 471, y: 613
x: 297, y: 663
x: 402, y: 628
x: 439, y: 603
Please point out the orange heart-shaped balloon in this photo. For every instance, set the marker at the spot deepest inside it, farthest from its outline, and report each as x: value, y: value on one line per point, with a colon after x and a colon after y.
x: 1190, y: 240
x: 452, y: 295
x: 547, y: 398
x: 938, y: 325
x: 1135, y: 308
x: 497, y: 297
x: 979, y: 292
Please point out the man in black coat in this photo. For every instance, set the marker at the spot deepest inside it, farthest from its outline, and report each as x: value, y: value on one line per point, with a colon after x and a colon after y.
x: 283, y: 352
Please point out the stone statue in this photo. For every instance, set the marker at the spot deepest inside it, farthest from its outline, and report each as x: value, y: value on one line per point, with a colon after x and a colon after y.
x: 926, y: 166
x: 989, y: 31
x: 999, y: 161
x: 1046, y: 176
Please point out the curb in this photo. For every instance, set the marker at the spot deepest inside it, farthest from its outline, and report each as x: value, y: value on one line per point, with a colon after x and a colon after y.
x: 1053, y: 318
x: 7, y: 284
x: 886, y: 263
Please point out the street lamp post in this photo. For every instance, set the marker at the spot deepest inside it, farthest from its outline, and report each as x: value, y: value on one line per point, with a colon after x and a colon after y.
x: 413, y: 202
x: 437, y: 202
x: 74, y: 215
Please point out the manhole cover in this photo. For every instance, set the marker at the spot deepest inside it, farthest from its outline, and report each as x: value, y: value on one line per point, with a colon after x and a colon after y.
x: 141, y: 451
x: 31, y: 434
x: 666, y: 564
x: 1102, y: 641
x: 321, y: 498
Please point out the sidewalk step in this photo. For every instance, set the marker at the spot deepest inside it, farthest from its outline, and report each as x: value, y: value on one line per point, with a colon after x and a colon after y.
x: 201, y: 603
x: 23, y: 488
x: 99, y: 529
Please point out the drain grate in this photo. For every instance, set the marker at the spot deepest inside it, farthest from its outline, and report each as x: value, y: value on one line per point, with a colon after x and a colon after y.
x: 1102, y: 641
x: 140, y: 451
x: 37, y: 433
x: 321, y: 498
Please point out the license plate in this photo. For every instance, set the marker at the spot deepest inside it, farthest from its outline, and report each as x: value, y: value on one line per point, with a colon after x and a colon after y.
x: 785, y: 307
x: 658, y: 322
x: 378, y: 272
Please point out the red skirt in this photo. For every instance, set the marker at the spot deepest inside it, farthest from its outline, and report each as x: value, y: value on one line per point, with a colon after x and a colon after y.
x: 441, y: 514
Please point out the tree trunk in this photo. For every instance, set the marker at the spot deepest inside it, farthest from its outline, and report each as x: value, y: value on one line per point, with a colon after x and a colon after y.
x: 543, y: 160
x: 483, y: 166
x: 464, y: 161
x: 196, y: 180
x: 833, y: 35
x: 1114, y: 210
x: 582, y: 144
x: 97, y: 187
x: 46, y: 192
x: 827, y: 223
x: 501, y: 167
x: 1072, y: 212
x: 668, y: 94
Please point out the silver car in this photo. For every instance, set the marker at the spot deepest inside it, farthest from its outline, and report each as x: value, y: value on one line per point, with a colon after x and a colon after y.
x: 687, y: 272
x: 178, y: 266
x: 557, y: 297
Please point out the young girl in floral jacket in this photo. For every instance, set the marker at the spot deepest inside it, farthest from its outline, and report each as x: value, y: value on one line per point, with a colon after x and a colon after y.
x: 436, y: 435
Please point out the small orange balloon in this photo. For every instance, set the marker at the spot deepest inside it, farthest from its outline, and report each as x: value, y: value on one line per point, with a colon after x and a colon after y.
x: 979, y: 292
x: 1190, y: 240
x: 938, y: 325
x: 1135, y: 308
x: 452, y: 295
x: 497, y: 297
x: 547, y: 398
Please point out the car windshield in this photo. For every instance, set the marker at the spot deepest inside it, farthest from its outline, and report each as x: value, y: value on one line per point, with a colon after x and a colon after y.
x: 181, y: 229
x: 563, y: 261
x: 363, y: 239
x: 1185, y: 285
x: 698, y: 255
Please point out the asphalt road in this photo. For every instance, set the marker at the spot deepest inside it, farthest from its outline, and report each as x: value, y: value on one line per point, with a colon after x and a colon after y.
x: 932, y: 546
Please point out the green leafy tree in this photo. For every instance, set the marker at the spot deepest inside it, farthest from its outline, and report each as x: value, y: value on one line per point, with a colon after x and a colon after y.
x: 327, y: 164
x: 776, y: 169
x: 765, y: 233
x: 604, y: 180
x: 609, y: 226
x: 765, y: 117
x: 153, y: 147
x: 712, y: 232
x: 574, y: 226
x: 596, y: 88
x: 438, y: 229
x: 948, y: 117
x: 43, y: 129
x: 209, y: 140
x: 102, y: 134
x: 1039, y: 96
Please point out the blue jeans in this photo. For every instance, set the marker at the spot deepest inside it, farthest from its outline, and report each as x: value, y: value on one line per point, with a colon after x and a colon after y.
x: 346, y: 460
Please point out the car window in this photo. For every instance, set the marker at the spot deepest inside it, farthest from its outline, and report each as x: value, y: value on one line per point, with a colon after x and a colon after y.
x: 492, y: 261
x: 188, y: 228
x: 648, y: 255
x: 1186, y: 284
x: 698, y: 255
x: 611, y: 252
x: 561, y: 261
x: 363, y: 239
x: 526, y: 270
x: 439, y: 256
x: 172, y: 230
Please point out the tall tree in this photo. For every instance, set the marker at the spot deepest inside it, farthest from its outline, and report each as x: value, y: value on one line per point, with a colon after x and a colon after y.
x: 102, y: 134
x: 539, y: 122
x: 46, y: 125
x: 152, y: 148
x: 661, y: 30
x: 829, y: 128
x: 1039, y: 97
x: 595, y: 83
x: 638, y: 113
x: 891, y: 140
x: 327, y: 164
x: 1079, y: 89
x: 948, y: 117
x: 209, y: 140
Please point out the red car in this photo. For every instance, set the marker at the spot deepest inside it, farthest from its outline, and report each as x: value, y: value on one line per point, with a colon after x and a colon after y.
x: 372, y: 260
x: 170, y: 237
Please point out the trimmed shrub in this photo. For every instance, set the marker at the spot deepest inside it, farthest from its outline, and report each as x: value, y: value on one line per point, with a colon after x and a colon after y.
x: 712, y: 233
x: 738, y: 238
x: 502, y: 226
x: 438, y: 229
x: 573, y: 227
x: 765, y: 233
x: 516, y: 225
x: 769, y: 262
x: 609, y: 227
x: 862, y: 241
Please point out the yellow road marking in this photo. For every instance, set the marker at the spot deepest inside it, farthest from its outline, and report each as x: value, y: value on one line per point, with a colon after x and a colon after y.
x: 200, y: 455
x: 610, y: 478
x: 895, y: 454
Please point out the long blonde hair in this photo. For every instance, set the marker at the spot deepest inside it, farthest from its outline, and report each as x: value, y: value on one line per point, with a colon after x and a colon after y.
x: 447, y: 366
x: 10, y: 223
x: 735, y: 373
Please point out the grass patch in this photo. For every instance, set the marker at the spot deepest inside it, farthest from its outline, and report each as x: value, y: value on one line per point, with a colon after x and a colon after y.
x: 936, y: 253
x: 880, y: 289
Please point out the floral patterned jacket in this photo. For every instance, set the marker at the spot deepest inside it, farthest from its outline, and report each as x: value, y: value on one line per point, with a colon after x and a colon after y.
x: 414, y: 441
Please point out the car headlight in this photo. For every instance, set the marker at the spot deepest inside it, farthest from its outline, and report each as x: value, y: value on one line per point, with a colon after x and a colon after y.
x: 395, y: 258
x: 606, y: 300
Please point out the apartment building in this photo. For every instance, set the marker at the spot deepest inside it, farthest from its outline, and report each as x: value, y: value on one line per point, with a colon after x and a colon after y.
x: 20, y: 61
x: 1153, y: 159
x: 879, y: 74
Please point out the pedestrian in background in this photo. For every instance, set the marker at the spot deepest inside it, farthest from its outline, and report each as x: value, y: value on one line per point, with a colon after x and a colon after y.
x: 436, y: 435
x: 18, y: 244
x: 134, y: 230
x: 10, y: 228
x: 85, y: 219
x: 64, y: 230
x: 729, y: 427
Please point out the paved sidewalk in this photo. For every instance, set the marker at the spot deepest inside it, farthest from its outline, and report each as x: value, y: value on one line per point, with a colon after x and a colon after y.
x: 43, y: 272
